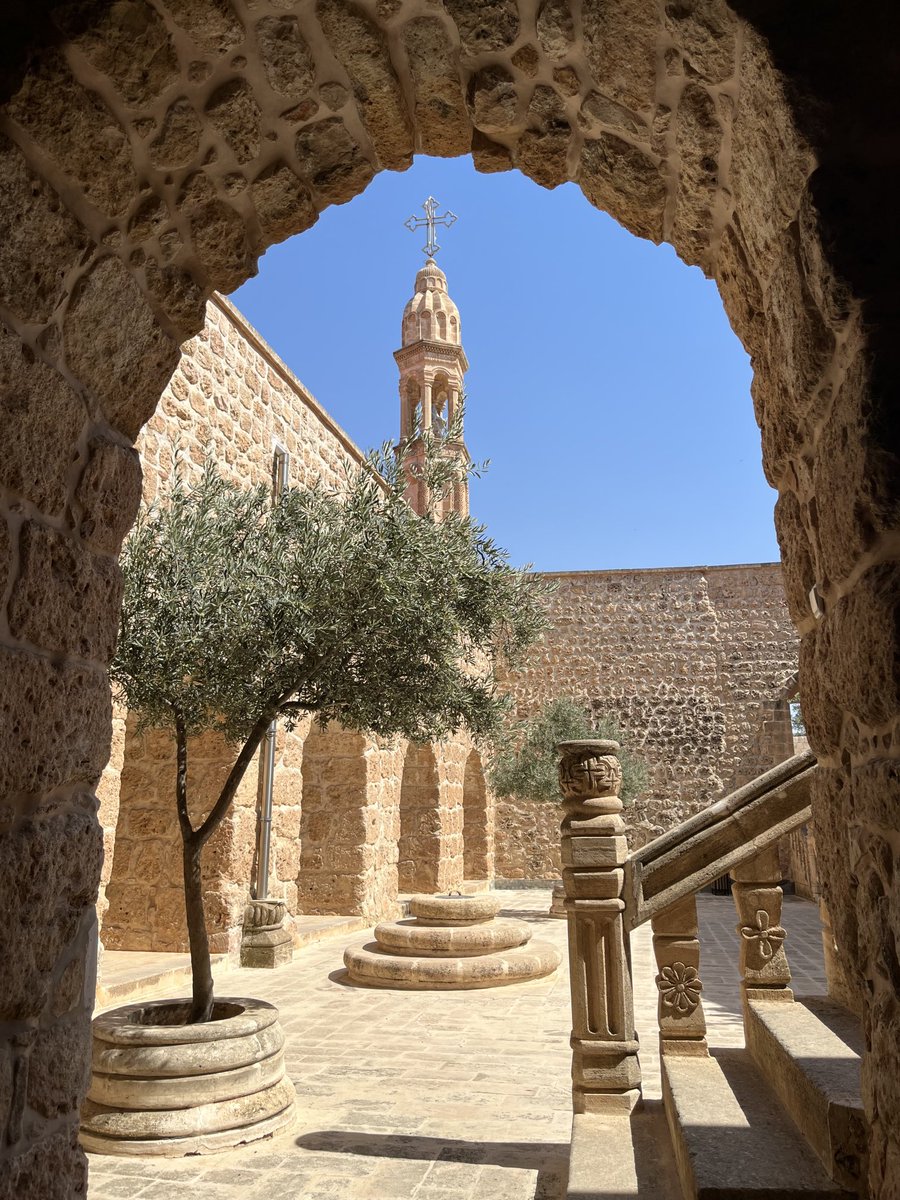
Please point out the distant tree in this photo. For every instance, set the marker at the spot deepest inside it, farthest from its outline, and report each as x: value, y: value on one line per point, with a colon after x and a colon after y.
x: 525, y: 759
x: 798, y: 725
x: 339, y: 602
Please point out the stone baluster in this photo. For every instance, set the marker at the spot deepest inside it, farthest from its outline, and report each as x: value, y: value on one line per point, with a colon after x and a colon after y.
x: 682, y: 1024
x: 757, y: 896
x: 606, y: 1074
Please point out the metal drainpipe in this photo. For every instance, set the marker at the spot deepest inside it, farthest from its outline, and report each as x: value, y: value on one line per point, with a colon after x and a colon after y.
x: 264, y: 832
x: 280, y: 467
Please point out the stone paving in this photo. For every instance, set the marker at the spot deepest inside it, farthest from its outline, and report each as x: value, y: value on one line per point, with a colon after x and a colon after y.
x: 430, y: 1095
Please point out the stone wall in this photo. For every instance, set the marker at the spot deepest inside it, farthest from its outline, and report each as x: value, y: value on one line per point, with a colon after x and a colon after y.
x: 709, y: 647
x: 344, y: 806
x: 230, y: 397
x: 527, y: 839
x: 150, y: 153
x: 687, y: 661
x: 478, y: 817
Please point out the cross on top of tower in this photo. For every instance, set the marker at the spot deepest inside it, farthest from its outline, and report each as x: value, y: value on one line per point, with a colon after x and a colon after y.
x: 431, y: 220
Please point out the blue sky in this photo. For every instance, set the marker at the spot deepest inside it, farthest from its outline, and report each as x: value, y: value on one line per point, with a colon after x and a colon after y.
x: 606, y: 385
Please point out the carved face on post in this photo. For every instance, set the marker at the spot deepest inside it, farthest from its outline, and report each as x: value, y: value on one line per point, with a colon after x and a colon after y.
x: 589, y: 770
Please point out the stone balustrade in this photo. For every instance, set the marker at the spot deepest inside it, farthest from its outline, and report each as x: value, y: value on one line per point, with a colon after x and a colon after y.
x: 607, y: 893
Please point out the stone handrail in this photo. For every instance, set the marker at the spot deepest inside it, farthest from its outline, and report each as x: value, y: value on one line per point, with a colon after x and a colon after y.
x: 608, y: 892
x: 721, y: 837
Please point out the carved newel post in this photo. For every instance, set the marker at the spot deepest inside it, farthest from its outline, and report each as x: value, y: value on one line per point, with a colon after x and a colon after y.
x: 606, y: 1074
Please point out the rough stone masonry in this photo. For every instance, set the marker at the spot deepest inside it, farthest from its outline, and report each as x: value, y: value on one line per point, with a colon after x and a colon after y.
x: 150, y: 152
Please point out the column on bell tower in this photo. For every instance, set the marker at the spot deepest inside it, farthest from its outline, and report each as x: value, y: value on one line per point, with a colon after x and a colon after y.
x: 432, y: 365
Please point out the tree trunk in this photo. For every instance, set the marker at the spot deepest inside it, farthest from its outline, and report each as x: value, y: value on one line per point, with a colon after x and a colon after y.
x: 193, y: 841
x: 201, y: 966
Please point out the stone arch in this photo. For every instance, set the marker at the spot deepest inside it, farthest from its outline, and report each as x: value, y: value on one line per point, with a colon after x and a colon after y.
x: 419, y: 845
x: 335, y: 823
x: 477, y: 834
x: 134, y: 185
x: 413, y: 407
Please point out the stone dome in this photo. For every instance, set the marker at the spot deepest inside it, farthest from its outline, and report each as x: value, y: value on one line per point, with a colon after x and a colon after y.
x: 431, y: 315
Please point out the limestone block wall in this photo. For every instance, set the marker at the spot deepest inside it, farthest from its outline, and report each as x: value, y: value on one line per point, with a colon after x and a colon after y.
x: 378, y: 818
x: 233, y: 398
x: 420, y: 822
x: 478, y: 821
x: 145, y: 893
x: 527, y: 839
x: 682, y: 659
x: 232, y: 395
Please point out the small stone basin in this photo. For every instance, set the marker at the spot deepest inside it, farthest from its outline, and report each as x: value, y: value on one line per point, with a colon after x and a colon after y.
x: 455, y: 910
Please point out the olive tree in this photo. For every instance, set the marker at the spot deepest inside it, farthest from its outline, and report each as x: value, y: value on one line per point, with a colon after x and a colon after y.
x: 336, y: 601
x: 524, y: 762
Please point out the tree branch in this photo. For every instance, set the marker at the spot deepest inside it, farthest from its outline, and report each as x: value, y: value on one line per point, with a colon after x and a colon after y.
x: 181, y: 801
x: 295, y: 706
x: 235, y: 775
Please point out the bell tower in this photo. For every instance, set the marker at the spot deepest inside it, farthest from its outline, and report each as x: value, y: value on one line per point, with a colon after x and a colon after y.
x: 432, y: 365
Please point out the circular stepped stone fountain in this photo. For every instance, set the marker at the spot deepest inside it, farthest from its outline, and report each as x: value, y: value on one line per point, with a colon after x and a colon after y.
x: 452, y: 942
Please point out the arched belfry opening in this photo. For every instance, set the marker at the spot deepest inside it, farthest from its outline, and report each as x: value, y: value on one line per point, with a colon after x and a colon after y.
x: 150, y: 154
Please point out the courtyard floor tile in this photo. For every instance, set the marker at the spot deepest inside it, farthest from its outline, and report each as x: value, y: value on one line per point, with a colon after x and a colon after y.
x: 430, y: 1095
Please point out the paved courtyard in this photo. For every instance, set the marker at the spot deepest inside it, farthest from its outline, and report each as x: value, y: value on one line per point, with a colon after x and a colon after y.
x: 430, y: 1095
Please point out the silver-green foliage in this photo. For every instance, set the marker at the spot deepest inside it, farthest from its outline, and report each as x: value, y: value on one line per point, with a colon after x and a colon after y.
x: 339, y: 602
x: 345, y: 604
x: 524, y: 762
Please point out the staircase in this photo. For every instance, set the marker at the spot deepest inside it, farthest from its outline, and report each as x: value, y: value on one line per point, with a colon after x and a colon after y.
x: 781, y: 1118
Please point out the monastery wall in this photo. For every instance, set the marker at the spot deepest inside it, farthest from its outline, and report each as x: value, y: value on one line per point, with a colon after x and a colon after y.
x: 346, y: 808
x: 233, y: 398
x: 690, y: 662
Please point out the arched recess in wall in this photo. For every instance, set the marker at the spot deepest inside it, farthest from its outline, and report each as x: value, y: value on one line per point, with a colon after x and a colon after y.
x: 145, y: 893
x: 334, y: 823
x: 118, y: 224
x: 419, y: 847
x: 477, y: 854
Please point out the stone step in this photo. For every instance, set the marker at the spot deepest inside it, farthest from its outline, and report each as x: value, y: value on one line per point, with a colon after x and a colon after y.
x: 810, y: 1052
x: 619, y: 1157
x: 732, y: 1138
x: 127, y: 976
x: 373, y: 966
x: 130, y: 975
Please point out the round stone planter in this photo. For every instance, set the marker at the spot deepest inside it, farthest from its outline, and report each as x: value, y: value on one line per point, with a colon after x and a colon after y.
x: 160, y: 1086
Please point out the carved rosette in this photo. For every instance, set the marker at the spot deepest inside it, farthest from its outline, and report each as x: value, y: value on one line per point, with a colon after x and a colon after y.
x: 679, y: 988
x: 762, y: 931
x: 676, y: 945
x: 757, y: 897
